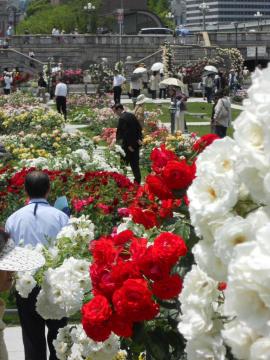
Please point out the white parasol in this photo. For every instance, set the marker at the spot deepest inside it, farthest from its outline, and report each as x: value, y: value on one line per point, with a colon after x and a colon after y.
x: 139, y: 70
x: 211, y: 68
x: 157, y: 66
x: 172, y: 82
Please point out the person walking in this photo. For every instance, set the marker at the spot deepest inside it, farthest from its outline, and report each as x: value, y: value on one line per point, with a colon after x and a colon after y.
x: 180, y: 124
x: 118, y: 81
x: 154, y: 84
x: 139, y: 109
x: 8, y: 80
x: 129, y: 133
x: 42, y: 86
x: 61, y: 97
x: 36, y: 223
x: 209, y: 86
x: 162, y: 87
x: 13, y: 259
x: 222, y: 115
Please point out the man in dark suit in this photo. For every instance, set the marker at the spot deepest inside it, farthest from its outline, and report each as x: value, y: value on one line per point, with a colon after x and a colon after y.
x: 129, y: 133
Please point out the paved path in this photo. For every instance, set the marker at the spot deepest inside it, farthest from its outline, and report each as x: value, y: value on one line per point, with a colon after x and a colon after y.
x: 13, y: 338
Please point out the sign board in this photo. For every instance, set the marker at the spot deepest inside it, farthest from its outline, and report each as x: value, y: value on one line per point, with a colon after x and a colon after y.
x: 262, y: 51
x: 251, y: 51
x: 120, y: 15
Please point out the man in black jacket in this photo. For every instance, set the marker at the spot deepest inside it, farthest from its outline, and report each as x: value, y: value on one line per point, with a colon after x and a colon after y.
x: 129, y: 133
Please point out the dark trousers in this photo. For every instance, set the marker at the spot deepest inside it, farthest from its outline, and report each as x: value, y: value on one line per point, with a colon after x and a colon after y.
x: 135, y: 93
x: 154, y: 94
x: 208, y: 94
x: 61, y: 105
x: 133, y: 159
x: 220, y: 131
x: 162, y: 93
x: 117, y: 91
x: 6, y: 91
x: 33, y: 328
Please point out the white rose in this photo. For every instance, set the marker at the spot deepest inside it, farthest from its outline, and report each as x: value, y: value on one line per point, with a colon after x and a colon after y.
x: 207, y: 260
x: 206, y: 347
x: 260, y: 349
x: 218, y: 158
x: 212, y: 196
x: 235, y: 231
x: 239, y: 337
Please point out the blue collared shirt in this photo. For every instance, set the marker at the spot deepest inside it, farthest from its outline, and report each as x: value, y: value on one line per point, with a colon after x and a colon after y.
x: 24, y: 225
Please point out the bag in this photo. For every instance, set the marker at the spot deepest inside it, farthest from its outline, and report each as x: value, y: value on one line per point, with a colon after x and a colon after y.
x: 183, y: 106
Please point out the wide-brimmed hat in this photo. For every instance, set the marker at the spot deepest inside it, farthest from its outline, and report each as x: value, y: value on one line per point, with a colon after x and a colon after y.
x: 15, y: 258
x: 141, y: 99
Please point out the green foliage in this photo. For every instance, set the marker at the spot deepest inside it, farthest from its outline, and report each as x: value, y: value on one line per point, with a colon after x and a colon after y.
x: 42, y: 17
x: 161, y: 8
x: 36, y: 6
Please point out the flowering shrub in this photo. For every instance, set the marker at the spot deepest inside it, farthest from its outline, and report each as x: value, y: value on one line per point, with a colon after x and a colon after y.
x: 225, y: 307
x: 19, y: 99
x: 72, y: 342
x: 29, y: 119
x: 91, y: 101
x: 130, y: 277
x: 71, y: 76
x: 51, y: 144
x: 89, y: 193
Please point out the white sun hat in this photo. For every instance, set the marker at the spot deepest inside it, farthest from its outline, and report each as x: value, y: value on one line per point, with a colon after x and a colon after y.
x: 15, y: 258
x: 141, y: 99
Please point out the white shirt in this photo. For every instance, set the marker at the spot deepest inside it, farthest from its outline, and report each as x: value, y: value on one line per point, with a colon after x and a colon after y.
x: 61, y: 89
x: 136, y: 84
x: 34, y: 229
x: 8, y: 81
x: 118, y: 80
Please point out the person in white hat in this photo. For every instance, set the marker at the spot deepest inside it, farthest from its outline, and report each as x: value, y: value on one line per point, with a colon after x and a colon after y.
x: 13, y: 259
x: 139, y: 109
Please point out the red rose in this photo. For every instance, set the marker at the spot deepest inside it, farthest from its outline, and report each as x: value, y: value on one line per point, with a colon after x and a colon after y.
x: 134, y: 301
x: 178, y: 175
x: 123, y: 237
x: 103, y: 251
x: 222, y: 286
x: 167, y: 288
x: 160, y: 157
x: 151, y: 268
x: 204, y: 141
x: 121, y: 326
x: 145, y: 217
x: 96, y: 318
x: 168, y: 248
x: 138, y: 248
x: 97, y: 332
x: 158, y: 187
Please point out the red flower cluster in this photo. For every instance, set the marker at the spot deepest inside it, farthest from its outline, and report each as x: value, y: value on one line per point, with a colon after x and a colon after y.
x: 127, y: 277
x: 156, y: 201
x: 204, y: 141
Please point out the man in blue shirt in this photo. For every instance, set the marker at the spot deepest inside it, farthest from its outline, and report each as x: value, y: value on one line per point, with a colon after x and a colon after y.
x: 35, y: 223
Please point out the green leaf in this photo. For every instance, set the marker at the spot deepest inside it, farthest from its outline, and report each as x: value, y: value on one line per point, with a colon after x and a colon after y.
x: 157, y: 344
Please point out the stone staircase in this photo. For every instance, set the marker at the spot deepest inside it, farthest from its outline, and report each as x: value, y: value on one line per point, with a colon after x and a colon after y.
x: 12, y: 58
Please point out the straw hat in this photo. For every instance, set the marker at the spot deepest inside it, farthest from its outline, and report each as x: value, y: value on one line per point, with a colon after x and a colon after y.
x: 141, y: 99
x: 15, y: 258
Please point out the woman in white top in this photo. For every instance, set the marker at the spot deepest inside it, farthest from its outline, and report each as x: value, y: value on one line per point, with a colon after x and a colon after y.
x: 223, y: 115
x: 154, y: 84
x: 8, y: 81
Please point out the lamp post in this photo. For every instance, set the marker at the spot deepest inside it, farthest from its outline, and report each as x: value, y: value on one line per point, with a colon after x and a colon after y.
x: 236, y: 33
x: 170, y: 16
x: 258, y: 15
x: 204, y: 9
x: 89, y: 8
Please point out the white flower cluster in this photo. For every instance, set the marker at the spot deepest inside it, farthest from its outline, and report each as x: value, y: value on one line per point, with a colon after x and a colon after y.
x: 63, y: 289
x: 72, y: 343
x: 230, y: 211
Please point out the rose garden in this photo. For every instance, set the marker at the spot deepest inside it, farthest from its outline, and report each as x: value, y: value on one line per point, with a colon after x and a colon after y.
x: 175, y: 268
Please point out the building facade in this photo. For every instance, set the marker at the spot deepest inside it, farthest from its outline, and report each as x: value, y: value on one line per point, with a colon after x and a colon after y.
x: 178, y: 9
x: 227, y: 11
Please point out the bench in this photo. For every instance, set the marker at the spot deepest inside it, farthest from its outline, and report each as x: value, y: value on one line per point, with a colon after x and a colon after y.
x: 198, y: 115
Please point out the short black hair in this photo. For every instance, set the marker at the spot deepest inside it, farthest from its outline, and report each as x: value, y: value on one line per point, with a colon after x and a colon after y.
x: 119, y: 106
x: 4, y: 236
x: 37, y: 184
